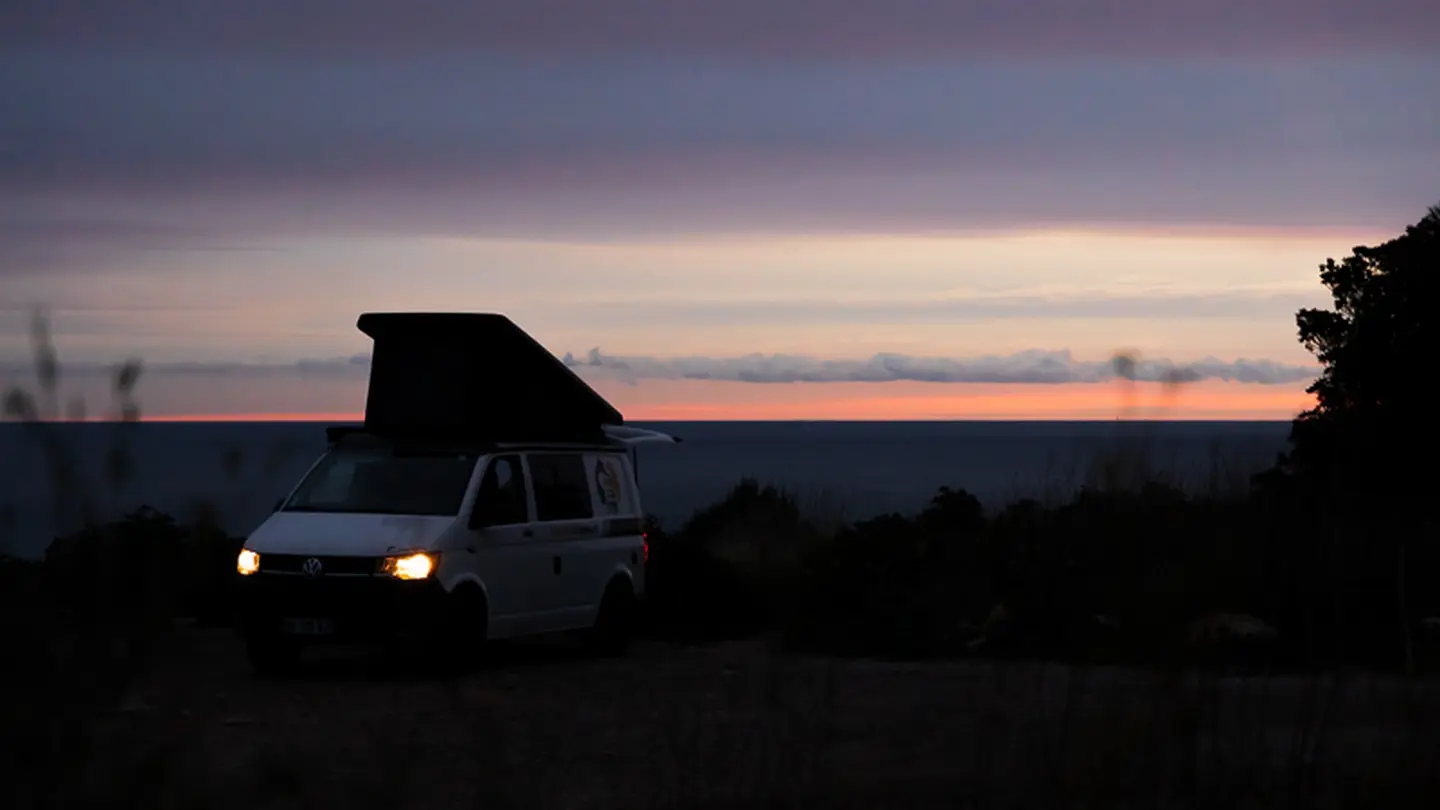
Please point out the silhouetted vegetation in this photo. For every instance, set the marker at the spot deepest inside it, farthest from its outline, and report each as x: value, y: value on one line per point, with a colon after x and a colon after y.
x: 80, y: 625
x: 1148, y: 576
x: 1355, y: 485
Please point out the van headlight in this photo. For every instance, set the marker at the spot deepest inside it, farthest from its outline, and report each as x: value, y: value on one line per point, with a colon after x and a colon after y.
x: 247, y: 563
x: 410, y: 566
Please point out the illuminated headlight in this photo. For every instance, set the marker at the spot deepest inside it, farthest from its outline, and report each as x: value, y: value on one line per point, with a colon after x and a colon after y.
x: 410, y: 566
x: 247, y: 563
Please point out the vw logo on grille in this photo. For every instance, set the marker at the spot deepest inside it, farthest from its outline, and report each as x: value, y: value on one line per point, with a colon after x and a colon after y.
x: 312, y: 567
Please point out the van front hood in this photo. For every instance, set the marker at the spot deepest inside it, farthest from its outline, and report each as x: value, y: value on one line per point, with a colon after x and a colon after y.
x: 346, y: 535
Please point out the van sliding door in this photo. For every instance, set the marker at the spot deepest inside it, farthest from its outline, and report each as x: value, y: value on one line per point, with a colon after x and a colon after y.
x: 565, y: 527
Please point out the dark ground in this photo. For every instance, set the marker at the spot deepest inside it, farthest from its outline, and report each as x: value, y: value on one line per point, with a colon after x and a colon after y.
x: 733, y: 725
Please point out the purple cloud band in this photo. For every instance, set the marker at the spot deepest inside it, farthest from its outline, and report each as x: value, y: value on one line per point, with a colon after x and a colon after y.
x: 186, y: 124
x: 837, y: 29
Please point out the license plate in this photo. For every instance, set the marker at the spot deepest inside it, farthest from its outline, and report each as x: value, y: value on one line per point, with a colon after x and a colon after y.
x: 309, y: 627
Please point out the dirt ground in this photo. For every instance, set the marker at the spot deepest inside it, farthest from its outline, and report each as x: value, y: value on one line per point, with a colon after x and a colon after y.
x: 731, y: 725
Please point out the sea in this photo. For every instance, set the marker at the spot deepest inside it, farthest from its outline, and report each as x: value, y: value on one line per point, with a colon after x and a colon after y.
x: 837, y: 470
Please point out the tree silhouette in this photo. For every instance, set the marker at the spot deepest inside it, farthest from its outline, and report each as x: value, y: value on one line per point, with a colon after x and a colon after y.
x: 1365, y: 441
x: 1361, y: 462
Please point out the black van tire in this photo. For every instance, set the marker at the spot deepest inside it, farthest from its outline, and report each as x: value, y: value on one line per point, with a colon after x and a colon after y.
x: 615, y: 621
x: 464, y: 639
x: 272, y: 654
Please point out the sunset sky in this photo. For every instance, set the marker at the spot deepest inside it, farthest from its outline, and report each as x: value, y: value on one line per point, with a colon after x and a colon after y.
x: 788, y: 209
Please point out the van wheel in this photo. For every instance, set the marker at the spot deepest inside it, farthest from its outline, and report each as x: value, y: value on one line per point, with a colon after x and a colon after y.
x: 463, y: 641
x: 615, y: 622
x: 272, y: 654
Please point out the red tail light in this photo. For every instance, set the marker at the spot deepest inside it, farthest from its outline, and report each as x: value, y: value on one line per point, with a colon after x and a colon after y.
x: 645, y: 551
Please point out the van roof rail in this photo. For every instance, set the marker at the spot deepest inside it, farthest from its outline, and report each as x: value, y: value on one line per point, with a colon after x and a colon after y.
x: 628, y: 434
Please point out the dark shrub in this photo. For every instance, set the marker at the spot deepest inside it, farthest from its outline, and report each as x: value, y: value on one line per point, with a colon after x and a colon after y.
x: 145, y: 564
x: 725, y: 573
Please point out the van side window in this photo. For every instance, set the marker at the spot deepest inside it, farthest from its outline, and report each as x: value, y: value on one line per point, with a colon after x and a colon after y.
x: 562, y: 490
x: 500, y: 501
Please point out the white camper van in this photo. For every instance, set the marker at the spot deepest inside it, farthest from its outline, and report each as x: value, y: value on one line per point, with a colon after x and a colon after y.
x: 449, y: 518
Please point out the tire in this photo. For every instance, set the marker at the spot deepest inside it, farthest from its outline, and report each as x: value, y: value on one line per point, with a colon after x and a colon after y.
x: 272, y: 654
x: 615, y: 621
x: 464, y: 640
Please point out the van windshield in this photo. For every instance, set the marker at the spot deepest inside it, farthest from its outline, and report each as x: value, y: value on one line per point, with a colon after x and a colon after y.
x: 384, y: 481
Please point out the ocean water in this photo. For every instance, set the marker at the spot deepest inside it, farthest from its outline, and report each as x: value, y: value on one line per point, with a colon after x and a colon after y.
x: 853, y: 469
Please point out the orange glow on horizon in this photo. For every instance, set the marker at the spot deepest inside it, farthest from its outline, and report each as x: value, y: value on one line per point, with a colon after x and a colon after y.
x: 254, y: 417
x: 684, y: 400
x: 1073, y: 402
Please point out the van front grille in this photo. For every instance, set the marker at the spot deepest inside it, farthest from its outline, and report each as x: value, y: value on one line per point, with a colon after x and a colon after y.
x: 329, y: 566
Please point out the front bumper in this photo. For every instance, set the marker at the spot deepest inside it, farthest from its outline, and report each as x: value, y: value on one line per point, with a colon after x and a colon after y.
x: 354, y: 608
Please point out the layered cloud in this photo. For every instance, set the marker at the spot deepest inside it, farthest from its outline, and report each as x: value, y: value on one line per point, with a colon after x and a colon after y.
x: 1037, y: 366
x: 174, y: 119
x: 1070, y: 304
x: 182, y: 122
x: 1044, y: 367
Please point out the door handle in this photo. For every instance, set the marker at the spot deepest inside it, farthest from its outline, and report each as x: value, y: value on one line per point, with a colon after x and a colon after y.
x: 556, y: 565
x: 527, y: 533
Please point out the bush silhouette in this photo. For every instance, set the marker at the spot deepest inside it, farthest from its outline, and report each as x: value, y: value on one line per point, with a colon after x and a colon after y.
x: 145, y: 561
x: 722, y: 573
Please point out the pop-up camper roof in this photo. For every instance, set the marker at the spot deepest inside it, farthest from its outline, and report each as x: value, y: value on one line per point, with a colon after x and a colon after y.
x: 474, y: 377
